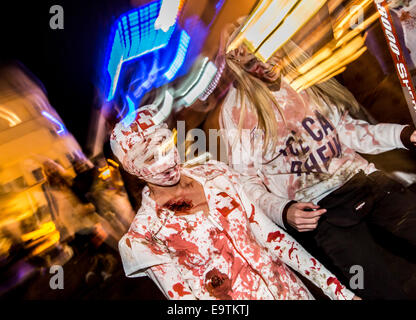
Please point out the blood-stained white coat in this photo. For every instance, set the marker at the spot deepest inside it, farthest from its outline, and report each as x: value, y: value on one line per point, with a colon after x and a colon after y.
x: 316, y: 151
x: 232, y: 252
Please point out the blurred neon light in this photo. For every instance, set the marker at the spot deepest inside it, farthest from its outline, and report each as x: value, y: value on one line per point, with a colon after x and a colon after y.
x: 151, y: 78
x: 273, y: 16
x: 273, y: 23
x: 202, y: 83
x: 353, y: 10
x: 249, y: 24
x: 166, y: 109
x: 203, y: 158
x: 158, y: 118
x: 131, y: 114
x: 10, y: 117
x: 296, y: 19
x: 134, y: 35
x: 168, y: 13
x: 180, y: 56
x: 340, y: 58
x: 56, y: 121
x: 213, y: 84
x: 43, y: 230
x: 105, y: 173
x: 113, y: 163
x: 336, y: 72
x: 168, y: 144
x: 219, y: 4
x: 49, y: 242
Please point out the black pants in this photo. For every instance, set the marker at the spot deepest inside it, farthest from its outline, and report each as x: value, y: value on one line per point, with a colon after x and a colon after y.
x: 372, y: 225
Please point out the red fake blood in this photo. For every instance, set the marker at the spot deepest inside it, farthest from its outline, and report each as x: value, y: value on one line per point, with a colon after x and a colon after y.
x: 235, y: 114
x: 218, y: 284
x: 251, y: 218
x: 185, y: 251
x: 128, y: 243
x: 314, y: 263
x: 240, y: 267
x: 291, y: 251
x: 159, y: 211
x: 210, y: 172
x: 190, y: 227
x: 250, y: 120
x: 134, y: 127
x: 151, y: 243
x: 367, y: 129
x: 335, y: 281
x: 126, y: 133
x: 170, y: 294
x: 274, y: 235
x: 292, y: 277
x: 181, y: 206
x: 225, y: 211
x: 180, y: 289
x: 175, y: 226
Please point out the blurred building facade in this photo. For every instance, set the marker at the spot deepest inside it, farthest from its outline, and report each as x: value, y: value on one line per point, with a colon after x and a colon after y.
x: 30, y: 132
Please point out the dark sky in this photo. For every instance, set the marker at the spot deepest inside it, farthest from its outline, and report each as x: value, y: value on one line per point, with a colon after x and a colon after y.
x: 67, y: 62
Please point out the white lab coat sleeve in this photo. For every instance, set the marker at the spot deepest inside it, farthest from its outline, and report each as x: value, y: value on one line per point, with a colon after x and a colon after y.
x: 281, y: 245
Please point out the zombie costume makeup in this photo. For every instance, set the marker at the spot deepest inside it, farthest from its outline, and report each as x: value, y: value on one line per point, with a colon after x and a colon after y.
x: 315, y: 157
x: 229, y: 251
x: 140, y: 148
x: 266, y: 71
x: 233, y: 252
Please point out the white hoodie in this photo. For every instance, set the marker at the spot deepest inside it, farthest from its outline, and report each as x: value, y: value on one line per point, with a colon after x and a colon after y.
x: 316, y: 151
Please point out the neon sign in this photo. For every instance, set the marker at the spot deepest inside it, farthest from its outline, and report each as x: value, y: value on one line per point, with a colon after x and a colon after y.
x: 134, y: 35
x: 55, y: 121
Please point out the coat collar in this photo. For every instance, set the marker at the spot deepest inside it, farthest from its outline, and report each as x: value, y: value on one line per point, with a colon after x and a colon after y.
x: 201, y: 173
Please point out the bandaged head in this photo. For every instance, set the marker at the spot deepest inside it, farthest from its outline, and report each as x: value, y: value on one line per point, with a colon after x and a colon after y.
x: 144, y: 148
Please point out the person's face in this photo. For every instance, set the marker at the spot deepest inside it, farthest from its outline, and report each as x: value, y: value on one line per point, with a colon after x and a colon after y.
x: 160, y: 161
x: 268, y: 71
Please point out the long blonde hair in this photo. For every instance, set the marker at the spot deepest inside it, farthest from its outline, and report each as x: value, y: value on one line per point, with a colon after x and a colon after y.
x: 325, y: 95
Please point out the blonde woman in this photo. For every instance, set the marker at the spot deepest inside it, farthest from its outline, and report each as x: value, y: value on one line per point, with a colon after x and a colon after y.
x: 297, y: 153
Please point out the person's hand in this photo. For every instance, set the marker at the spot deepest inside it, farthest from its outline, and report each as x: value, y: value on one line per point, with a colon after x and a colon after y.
x: 413, y: 138
x: 356, y: 298
x: 303, y: 220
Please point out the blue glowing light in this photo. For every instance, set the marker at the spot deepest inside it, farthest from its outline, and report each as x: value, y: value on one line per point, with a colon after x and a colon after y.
x: 180, y: 56
x: 134, y: 35
x: 131, y: 114
x: 55, y: 121
x: 219, y: 5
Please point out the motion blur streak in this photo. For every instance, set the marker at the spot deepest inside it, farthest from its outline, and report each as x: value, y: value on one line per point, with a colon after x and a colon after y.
x: 273, y: 23
x: 297, y: 18
x: 50, y: 193
x: 168, y: 13
x: 338, y: 59
x: 43, y: 230
x: 10, y: 117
